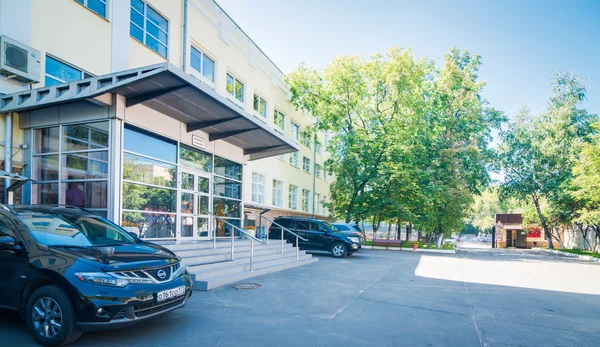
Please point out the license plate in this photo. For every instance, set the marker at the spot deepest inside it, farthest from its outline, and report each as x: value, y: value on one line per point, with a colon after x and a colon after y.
x: 170, y: 293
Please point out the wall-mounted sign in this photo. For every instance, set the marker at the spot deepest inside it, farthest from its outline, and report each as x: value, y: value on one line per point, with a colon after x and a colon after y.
x: 199, y: 142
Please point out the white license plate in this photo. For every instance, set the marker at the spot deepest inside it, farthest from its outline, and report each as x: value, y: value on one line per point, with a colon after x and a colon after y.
x: 170, y: 293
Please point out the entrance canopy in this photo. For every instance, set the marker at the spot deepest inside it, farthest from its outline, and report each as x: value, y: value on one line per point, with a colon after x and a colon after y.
x: 170, y: 91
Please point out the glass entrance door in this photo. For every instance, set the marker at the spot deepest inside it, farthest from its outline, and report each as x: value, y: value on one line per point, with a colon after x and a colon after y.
x: 194, y: 200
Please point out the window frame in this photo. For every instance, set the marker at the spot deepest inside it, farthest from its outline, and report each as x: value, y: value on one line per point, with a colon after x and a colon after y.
x: 318, y: 170
x: 277, y: 201
x: 306, y: 164
x: 296, y: 156
x: 293, y: 203
x: 257, y: 112
x: 305, y: 200
x: 276, y: 126
x: 231, y: 96
x: 145, y: 32
x: 294, y: 136
x: 259, y: 188
x: 84, y: 3
x: 200, y: 74
x: 84, y: 74
x: 305, y: 139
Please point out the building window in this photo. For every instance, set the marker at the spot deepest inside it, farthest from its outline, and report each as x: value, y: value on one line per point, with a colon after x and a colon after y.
x: 204, y: 66
x: 260, y: 106
x: 305, y: 200
x: 98, y: 6
x: 306, y: 164
x: 294, y: 159
x: 293, y: 197
x: 149, y: 27
x: 277, y: 193
x: 324, y: 206
x: 318, y: 147
x: 318, y: 170
x: 318, y: 203
x: 70, y: 166
x: 279, y: 121
x: 306, y: 139
x: 236, y: 89
x: 227, y: 197
x: 258, y: 188
x: 58, y: 72
x: 295, y: 131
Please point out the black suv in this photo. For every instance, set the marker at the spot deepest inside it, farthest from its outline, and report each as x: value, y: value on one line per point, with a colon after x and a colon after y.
x: 66, y: 270
x: 320, y: 235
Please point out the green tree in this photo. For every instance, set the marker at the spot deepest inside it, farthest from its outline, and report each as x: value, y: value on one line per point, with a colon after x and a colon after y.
x: 538, y: 152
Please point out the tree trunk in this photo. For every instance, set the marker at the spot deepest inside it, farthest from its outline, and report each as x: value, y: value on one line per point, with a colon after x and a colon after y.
x: 543, y: 221
x: 398, y: 230
x: 440, y: 237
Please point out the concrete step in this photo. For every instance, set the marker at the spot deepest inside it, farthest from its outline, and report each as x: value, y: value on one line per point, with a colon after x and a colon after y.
x: 242, y: 265
x: 225, y: 253
x: 183, y: 245
x: 202, y: 258
x: 217, y: 281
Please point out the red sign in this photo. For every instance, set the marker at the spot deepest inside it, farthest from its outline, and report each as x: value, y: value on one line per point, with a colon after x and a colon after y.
x: 534, y: 232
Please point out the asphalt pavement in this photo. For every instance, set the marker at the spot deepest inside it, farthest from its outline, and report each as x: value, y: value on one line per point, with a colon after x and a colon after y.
x: 476, y: 297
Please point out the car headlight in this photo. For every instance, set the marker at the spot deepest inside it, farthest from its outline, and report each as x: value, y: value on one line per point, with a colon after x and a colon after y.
x: 179, y: 270
x: 102, y: 279
x: 354, y: 239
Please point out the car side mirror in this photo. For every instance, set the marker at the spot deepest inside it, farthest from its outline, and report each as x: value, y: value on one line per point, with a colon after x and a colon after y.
x: 7, y: 243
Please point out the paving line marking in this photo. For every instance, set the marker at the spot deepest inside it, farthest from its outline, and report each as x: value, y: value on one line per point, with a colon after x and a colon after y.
x: 359, y: 294
x: 481, y: 343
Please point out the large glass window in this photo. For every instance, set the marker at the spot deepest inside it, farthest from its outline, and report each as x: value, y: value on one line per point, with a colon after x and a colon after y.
x: 145, y: 170
x: 194, y: 158
x: 258, y: 188
x: 141, y: 142
x: 236, y: 89
x: 279, y: 121
x: 293, y: 197
x: 294, y: 159
x: 204, y: 65
x: 306, y: 164
x: 149, y: 27
x: 227, y: 188
x: 58, y: 72
x: 98, y: 6
x: 74, y: 170
x: 277, y: 193
x: 295, y: 131
x: 227, y: 168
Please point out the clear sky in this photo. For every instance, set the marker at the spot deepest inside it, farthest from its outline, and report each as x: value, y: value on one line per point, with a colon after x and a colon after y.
x: 521, y: 42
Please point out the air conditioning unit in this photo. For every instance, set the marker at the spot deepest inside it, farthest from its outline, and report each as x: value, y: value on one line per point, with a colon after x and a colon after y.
x: 18, y: 61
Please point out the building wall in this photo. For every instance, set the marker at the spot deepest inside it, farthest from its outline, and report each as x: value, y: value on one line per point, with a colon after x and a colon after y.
x: 75, y: 35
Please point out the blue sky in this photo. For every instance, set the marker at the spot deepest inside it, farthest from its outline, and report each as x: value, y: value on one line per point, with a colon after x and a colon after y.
x: 521, y: 42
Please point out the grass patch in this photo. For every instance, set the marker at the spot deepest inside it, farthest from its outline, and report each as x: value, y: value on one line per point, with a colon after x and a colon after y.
x: 576, y: 251
x: 426, y: 245
x: 368, y: 242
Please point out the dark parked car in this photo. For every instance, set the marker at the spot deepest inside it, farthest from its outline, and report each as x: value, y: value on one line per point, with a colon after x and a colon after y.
x: 320, y: 235
x: 349, y: 229
x: 67, y: 270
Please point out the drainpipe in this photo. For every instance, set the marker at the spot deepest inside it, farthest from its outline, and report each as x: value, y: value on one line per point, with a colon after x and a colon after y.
x: 185, y: 19
x: 8, y: 144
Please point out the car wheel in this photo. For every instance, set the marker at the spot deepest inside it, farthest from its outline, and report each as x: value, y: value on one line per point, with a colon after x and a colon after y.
x: 339, y: 250
x: 51, y: 318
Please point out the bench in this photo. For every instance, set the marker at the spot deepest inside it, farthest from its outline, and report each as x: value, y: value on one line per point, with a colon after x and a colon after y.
x: 387, y: 243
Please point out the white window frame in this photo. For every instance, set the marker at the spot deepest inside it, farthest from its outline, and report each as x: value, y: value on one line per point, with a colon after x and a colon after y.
x: 297, y: 157
x: 145, y: 16
x: 305, y: 139
x: 318, y: 170
x: 257, y: 112
x: 231, y: 96
x: 306, y: 164
x: 258, y: 188
x: 200, y: 74
x: 293, y: 198
x: 105, y: 2
x: 294, y: 136
x: 318, y: 202
x: 277, y: 193
x: 305, y: 200
x: 276, y: 126
x: 318, y: 148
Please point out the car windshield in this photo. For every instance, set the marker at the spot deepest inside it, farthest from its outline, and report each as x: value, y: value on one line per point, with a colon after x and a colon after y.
x: 73, y: 231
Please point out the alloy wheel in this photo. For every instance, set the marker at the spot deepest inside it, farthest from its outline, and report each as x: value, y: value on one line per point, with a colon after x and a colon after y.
x: 338, y: 250
x: 47, y: 317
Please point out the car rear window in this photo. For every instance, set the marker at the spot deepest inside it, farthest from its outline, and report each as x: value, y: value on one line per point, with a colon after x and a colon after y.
x: 284, y: 222
x: 341, y: 227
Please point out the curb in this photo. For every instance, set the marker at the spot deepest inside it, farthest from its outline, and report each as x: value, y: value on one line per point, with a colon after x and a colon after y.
x: 570, y: 255
x: 421, y: 250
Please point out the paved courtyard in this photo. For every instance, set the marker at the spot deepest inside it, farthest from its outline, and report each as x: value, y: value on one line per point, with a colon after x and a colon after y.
x: 477, y: 297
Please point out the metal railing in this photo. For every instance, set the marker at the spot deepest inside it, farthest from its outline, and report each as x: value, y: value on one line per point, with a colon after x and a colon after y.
x: 252, y: 238
x: 282, y: 238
